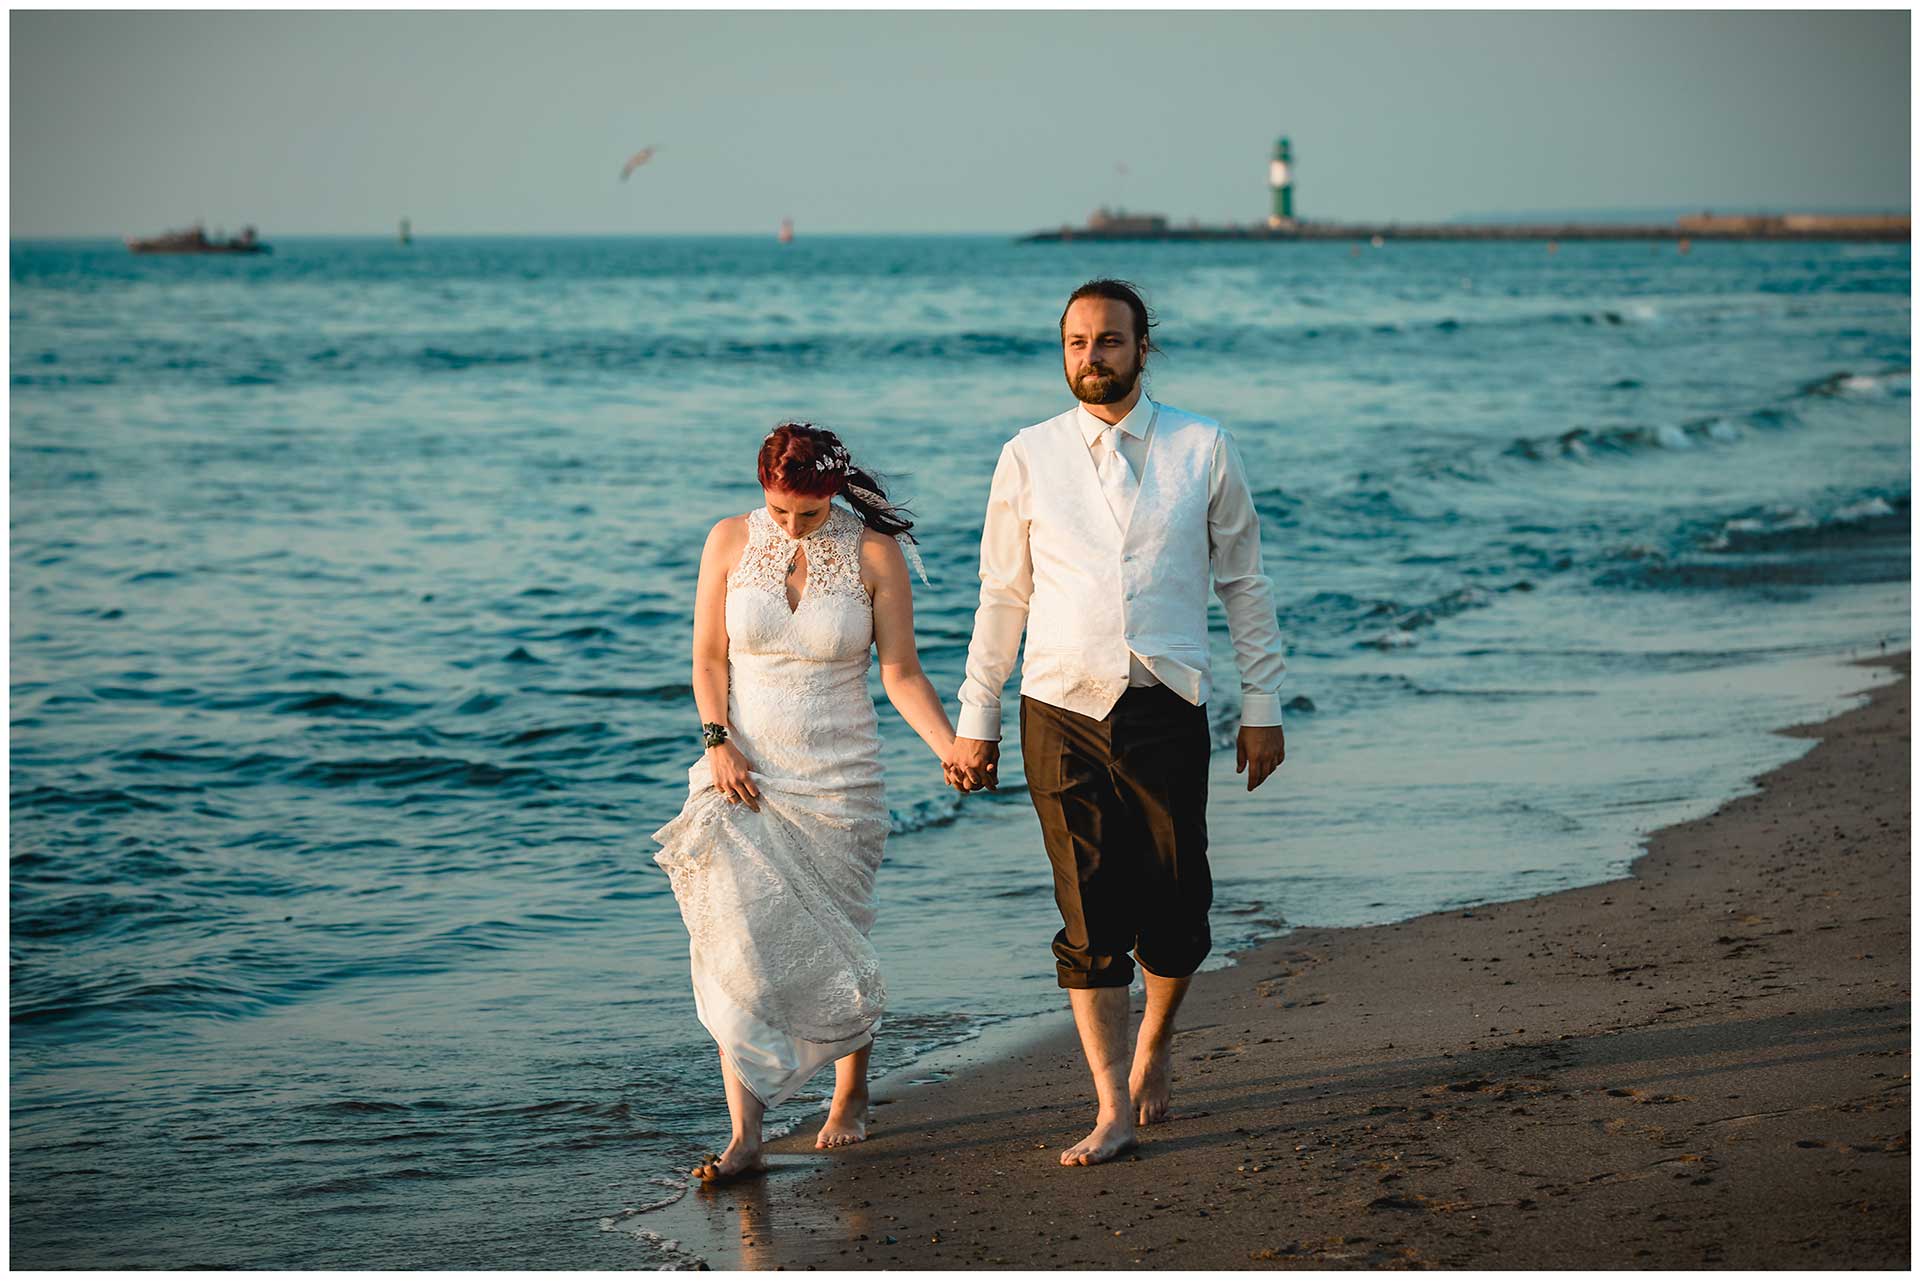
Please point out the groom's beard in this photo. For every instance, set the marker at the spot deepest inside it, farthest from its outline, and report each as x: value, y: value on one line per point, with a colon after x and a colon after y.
x: 1102, y: 385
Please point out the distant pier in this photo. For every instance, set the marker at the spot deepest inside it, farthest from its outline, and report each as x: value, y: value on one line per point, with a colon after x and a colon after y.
x: 1890, y: 228
x: 1283, y: 224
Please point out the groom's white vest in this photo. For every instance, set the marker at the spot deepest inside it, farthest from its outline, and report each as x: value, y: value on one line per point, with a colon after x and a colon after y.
x: 1100, y: 590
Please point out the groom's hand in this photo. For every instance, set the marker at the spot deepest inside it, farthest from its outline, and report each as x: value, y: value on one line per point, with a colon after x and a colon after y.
x: 1259, y: 752
x: 974, y: 764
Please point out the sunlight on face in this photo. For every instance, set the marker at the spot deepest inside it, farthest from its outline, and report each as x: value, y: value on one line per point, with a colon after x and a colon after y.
x: 798, y: 514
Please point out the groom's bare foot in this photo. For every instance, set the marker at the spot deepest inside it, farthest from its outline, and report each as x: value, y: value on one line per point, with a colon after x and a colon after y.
x: 740, y: 1160
x: 1151, y: 1086
x: 1108, y: 1140
x: 846, y: 1123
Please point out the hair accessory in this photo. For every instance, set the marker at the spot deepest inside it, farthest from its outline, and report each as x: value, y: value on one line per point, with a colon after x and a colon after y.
x: 913, y: 557
x: 872, y: 499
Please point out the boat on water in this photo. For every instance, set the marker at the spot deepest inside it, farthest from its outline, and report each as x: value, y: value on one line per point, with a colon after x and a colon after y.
x: 194, y: 240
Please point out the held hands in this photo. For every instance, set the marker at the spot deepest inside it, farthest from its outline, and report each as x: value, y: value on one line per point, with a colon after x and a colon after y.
x: 731, y: 775
x: 972, y: 764
x: 1259, y: 752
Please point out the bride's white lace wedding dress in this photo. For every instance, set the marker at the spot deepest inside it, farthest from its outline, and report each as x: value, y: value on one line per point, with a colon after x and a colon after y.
x: 778, y: 903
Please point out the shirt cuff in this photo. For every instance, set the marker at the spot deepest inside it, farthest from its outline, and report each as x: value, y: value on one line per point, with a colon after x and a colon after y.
x: 1259, y: 709
x: 979, y: 722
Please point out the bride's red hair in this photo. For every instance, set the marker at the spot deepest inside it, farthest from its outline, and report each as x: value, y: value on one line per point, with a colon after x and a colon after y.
x: 803, y: 459
x: 799, y: 458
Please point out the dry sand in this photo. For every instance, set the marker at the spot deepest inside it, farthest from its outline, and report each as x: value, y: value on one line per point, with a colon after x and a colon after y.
x: 1704, y: 1064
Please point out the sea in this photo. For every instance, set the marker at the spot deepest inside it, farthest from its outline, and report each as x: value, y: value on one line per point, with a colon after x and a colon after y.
x: 351, y: 590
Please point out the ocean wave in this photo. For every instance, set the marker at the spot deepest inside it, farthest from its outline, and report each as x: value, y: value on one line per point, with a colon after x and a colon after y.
x: 333, y: 703
x: 1583, y: 443
x: 935, y: 811
x: 264, y: 360
x: 366, y: 1182
x: 413, y: 771
x: 96, y: 914
x: 667, y: 692
x: 97, y: 800
x: 546, y: 733
x: 127, y: 994
x: 1788, y: 527
x: 1246, y: 340
x: 244, y: 363
x: 1390, y: 624
x: 1862, y: 538
x: 1885, y: 384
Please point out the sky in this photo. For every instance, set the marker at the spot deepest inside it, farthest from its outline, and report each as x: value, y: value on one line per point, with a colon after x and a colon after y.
x: 924, y: 122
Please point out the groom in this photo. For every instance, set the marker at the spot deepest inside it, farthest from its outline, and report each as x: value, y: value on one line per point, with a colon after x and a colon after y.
x: 1104, y: 526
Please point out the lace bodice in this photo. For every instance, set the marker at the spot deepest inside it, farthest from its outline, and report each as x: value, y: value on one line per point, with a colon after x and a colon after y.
x: 834, y: 619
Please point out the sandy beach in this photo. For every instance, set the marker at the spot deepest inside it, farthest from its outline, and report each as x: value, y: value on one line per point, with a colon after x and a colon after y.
x: 1704, y: 1064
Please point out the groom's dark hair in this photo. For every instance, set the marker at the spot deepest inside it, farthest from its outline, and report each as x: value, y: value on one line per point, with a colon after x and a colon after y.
x: 1123, y: 291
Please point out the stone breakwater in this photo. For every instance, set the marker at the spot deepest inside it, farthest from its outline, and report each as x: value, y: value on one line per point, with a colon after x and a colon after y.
x: 1707, y: 227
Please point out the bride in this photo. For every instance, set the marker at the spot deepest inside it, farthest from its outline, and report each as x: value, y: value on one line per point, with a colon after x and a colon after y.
x: 772, y: 859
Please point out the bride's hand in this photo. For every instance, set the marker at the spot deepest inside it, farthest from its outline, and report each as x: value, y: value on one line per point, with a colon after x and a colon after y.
x: 946, y: 764
x: 972, y: 765
x: 732, y: 775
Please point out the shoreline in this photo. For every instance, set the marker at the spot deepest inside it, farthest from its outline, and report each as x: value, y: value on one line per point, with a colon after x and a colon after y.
x: 1700, y: 1063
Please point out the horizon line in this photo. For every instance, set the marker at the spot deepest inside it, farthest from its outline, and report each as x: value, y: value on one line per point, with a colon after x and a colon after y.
x: 1593, y: 216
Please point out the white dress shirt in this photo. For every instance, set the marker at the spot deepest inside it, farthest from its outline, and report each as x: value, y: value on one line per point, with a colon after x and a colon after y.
x: 1233, y: 538
x: 1131, y: 435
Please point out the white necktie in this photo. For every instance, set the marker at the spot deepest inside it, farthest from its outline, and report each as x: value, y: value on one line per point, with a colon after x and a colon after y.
x: 1116, y: 476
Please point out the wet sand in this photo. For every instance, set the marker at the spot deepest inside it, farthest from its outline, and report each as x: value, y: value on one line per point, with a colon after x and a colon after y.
x: 1703, y: 1064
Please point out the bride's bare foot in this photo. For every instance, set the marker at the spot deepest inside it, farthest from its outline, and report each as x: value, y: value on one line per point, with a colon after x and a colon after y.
x: 1108, y: 1140
x: 740, y: 1160
x: 846, y: 1122
x: 1150, y: 1087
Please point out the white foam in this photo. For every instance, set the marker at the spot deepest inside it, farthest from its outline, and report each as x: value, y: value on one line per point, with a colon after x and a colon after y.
x: 677, y: 1187
x: 668, y: 1254
x: 1865, y: 509
x: 1671, y: 437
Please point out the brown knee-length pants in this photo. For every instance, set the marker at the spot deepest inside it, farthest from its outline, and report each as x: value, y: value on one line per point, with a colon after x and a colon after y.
x: 1123, y: 809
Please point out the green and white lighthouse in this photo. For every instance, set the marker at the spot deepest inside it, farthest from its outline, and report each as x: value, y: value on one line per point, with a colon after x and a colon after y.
x: 1280, y: 178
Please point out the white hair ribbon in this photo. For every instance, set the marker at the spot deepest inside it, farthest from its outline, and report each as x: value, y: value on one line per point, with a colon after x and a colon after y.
x: 872, y: 499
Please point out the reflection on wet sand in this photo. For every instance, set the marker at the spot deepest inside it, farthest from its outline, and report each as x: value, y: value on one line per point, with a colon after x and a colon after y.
x: 770, y: 1220
x: 752, y: 1215
x: 750, y: 1223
